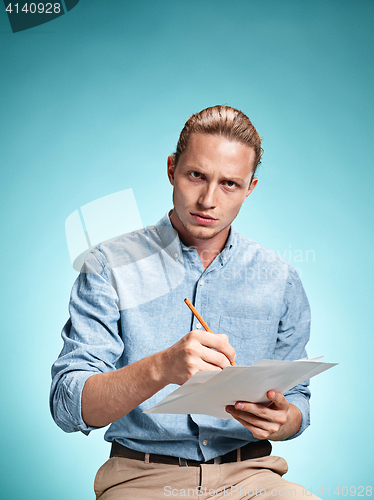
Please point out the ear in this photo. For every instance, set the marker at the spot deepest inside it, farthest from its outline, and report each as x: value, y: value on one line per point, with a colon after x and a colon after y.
x: 171, y: 168
x: 252, y: 185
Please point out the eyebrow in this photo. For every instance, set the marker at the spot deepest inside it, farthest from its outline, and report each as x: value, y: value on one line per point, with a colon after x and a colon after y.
x: 235, y: 179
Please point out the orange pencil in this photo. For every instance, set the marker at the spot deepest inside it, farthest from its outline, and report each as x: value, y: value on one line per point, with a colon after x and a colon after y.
x: 202, y: 322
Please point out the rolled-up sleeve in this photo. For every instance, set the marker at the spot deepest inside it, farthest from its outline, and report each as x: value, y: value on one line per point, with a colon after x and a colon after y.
x: 92, y: 343
x: 293, y: 335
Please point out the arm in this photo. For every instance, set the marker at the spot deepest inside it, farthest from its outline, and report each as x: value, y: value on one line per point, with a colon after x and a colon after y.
x: 87, y: 390
x: 107, y: 397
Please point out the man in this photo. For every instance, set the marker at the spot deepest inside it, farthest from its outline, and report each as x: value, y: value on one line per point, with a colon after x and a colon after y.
x: 130, y: 338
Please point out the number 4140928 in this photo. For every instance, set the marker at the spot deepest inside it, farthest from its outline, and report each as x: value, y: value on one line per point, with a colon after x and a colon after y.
x: 34, y: 8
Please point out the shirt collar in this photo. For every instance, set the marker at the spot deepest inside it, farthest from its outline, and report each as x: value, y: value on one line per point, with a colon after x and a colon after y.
x: 169, y: 237
x: 172, y: 242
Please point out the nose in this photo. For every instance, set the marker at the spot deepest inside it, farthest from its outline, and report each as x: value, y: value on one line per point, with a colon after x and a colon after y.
x: 207, y: 198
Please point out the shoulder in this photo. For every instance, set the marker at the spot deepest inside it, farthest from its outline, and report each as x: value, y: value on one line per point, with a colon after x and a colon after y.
x: 131, y: 247
x: 124, y: 249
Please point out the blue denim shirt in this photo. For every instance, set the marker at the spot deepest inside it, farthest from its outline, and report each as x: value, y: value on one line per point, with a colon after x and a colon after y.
x: 128, y: 303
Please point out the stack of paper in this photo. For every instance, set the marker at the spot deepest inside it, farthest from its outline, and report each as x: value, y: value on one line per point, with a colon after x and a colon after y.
x: 209, y: 392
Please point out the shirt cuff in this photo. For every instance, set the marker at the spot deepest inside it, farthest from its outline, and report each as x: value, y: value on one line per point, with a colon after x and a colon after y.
x: 67, y: 402
x: 302, y: 404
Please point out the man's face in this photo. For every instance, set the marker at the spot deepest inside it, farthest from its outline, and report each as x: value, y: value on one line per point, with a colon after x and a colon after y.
x: 211, y: 182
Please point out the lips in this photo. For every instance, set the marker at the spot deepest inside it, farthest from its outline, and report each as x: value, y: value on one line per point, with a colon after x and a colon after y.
x: 203, y: 218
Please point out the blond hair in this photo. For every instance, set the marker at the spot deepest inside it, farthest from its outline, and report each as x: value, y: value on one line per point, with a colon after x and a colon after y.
x: 224, y: 121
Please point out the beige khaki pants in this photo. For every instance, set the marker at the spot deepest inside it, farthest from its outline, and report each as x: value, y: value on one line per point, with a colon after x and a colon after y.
x: 124, y: 478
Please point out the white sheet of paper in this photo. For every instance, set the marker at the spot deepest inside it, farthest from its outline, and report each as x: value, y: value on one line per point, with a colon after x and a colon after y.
x: 209, y: 392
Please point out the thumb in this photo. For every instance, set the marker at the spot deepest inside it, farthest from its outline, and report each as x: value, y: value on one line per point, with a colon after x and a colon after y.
x: 277, y: 399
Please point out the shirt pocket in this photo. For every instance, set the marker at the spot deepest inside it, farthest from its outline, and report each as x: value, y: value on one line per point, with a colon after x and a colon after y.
x: 252, y: 339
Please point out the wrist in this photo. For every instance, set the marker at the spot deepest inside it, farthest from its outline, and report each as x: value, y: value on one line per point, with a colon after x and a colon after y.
x: 158, y: 369
x: 292, y: 425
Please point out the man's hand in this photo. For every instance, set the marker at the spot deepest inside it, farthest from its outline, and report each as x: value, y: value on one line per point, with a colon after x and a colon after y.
x: 276, y: 422
x: 197, y: 351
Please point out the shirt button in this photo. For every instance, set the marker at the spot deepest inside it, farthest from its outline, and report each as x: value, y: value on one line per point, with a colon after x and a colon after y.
x: 205, y: 442
x: 225, y: 258
x: 201, y: 282
x: 198, y: 325
x: 175, y: 255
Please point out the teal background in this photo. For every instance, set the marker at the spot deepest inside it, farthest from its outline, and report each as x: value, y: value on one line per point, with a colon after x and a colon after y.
x: 93, y: 103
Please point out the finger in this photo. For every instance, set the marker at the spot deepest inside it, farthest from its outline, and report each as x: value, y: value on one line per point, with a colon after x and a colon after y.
x: 214, y: 358
x: 200, y: 357
x: 259, y: 410
x: 223, y: 336
x: 257, y: 432
x: 193, y: 365
x: 278, y: 399
x: 216, y: 341
x: 249, y: 418
x: 225, y: 346
x: 258, y: 413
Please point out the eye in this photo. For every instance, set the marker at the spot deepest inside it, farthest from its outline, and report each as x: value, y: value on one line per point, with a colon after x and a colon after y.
x: 196, y: 175
x: 230, y: 184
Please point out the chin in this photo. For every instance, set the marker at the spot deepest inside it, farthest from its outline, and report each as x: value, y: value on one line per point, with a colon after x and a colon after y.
x: 201, y: 233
